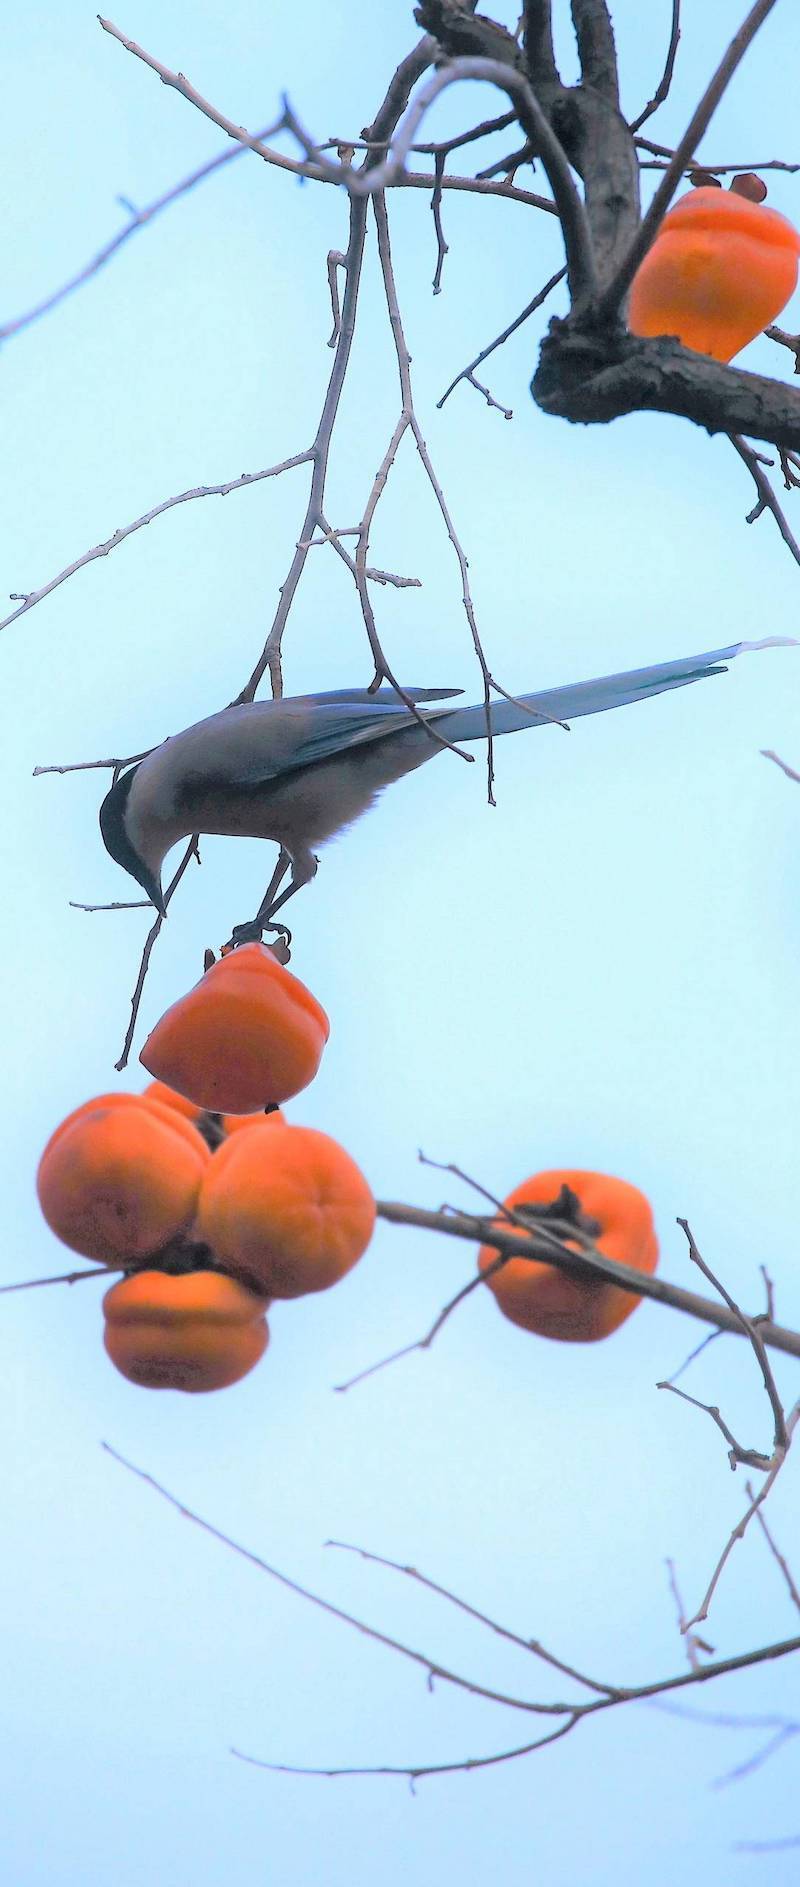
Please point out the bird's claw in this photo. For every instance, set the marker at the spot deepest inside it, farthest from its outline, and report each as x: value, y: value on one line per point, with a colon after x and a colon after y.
x: 253, y: 932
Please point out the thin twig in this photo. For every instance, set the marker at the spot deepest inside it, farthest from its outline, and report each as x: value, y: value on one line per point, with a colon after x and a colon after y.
x: 138, y: 220
x: 436, y: 210
x: 414, y: 1775
x: 691, y: 1358
x: 386, y: 118
x: 430, y: 1665
x: 473, y: 381
x: 767, y: 500
x: 781, y: 335
x: 781, y: 1562
x: 500, y: 340
x: 767, y: 754
x: 318, y: 171
x: 665, y: 151
x: 90, y: 766
x: 318, y: 454
x: 573, y: 1714
x: 409, y: 421
x: 64, y: 1277
x: 120, y: 904
x: 751, y: 1329
x: 785, y: 1734
x: 662, y: 89
x: 157, y: 511
x: 571, y: 209
x: 424, y: 1343
x: 739, y: 1531
x: 191, y: 852
x: 747, y: 1457
x: 692, y: 1645
x: 462, y: 1605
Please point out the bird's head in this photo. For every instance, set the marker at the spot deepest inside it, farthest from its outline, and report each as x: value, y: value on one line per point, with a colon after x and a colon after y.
x: 116, y: 826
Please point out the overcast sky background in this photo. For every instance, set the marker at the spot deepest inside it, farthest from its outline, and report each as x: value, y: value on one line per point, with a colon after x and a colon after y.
x: 601, y: 972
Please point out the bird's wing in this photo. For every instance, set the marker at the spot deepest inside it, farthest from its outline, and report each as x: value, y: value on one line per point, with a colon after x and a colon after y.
x: 260, y: 741
x: 353, y: 724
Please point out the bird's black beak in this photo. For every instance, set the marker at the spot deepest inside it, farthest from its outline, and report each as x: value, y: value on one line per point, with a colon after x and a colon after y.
x: 152, y: 886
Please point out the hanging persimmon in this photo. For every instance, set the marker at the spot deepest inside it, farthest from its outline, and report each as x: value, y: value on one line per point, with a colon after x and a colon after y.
x: 721, y: 268
x: 195, y: 1332
x: 247, y: 1035
x: 119, y: 1179
x: 535, y: 1295
x: 285, y: 1209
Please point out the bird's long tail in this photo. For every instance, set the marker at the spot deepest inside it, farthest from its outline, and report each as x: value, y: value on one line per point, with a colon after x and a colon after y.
x: 592, y: 697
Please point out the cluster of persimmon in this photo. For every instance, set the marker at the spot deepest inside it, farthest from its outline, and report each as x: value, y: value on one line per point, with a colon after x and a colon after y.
x: 609, y: 1213
x: 721, y: 269
x: 210, y: 1208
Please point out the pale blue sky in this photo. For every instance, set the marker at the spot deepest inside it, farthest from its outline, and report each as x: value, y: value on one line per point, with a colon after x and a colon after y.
x: 600, y: 972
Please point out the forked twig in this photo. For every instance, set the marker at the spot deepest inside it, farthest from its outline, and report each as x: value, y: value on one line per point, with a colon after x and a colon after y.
x: 572, y: 1713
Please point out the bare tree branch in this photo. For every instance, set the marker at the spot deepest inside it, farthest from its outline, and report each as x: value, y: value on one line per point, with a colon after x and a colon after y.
x: 157, y: 511
x: 661, y: 92
x: 738, y: 1532
x: 692, y: 1357
x: 64, y: 1277
x: 593, y: 377
x: 319, y: 171
x: 766, y: 500
x: 531, y: 1245
x: 692, y: 1645
x: 430, y: 1666
x: 571, y: 211
x: 538, y: 43
x: 746, y: 1457
x: 781, y: 1562
x: 414, y: 1775
x: 138, y: 220
x: 750, y: 1329
x: 149, y: 944
x: 492, y: 1624
x: 573, y: 1714
x: 781, y: 335
x: 596, y: 49
x: 530, y: 308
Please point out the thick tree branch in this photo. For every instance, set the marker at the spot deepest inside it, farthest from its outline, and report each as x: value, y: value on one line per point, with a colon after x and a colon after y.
x: 596, y: 49
x: 591, y: 377
x: 591, y: 1262
x: 538, y: 45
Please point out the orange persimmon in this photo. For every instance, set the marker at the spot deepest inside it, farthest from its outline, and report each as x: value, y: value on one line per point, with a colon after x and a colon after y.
x: 286, y: 1209
x: 194, y: 1332
x: 248, y: 1034
x: 720, y: 270
x: 550, y: 1302
x: 119, y: 1179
